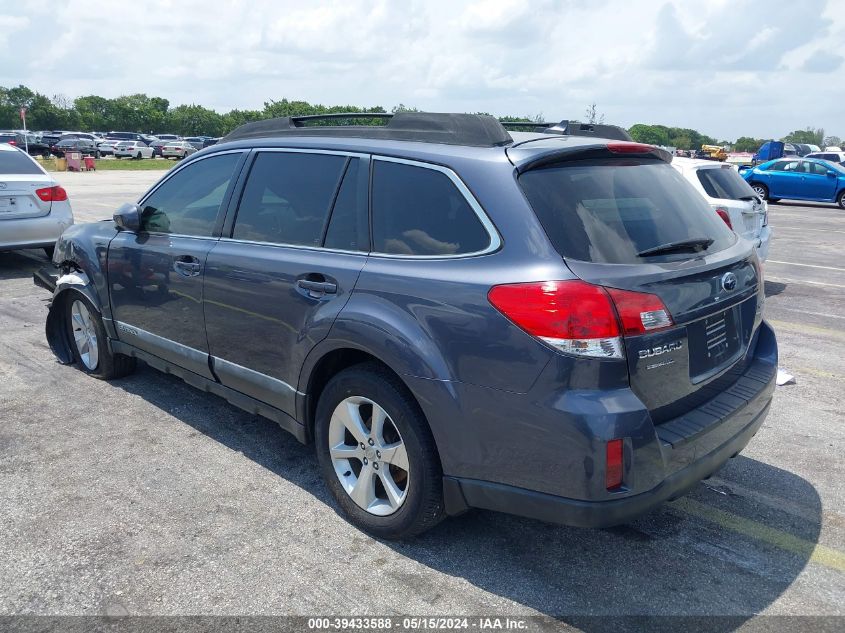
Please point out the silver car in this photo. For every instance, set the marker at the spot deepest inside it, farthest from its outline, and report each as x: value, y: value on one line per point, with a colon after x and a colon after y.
x: 34, y: 209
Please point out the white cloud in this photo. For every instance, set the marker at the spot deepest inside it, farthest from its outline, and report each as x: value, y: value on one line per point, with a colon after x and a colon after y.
x: 726, y: 68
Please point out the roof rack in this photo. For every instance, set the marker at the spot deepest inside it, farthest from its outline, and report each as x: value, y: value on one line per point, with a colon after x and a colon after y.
x: 476, y: 130
x: 573, y: 128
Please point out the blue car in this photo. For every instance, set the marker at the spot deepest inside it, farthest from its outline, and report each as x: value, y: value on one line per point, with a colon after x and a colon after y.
x: 798, y: 179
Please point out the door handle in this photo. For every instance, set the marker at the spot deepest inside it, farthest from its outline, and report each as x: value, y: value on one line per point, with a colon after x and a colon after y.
x: 317, y: 287
x: 187, y: 265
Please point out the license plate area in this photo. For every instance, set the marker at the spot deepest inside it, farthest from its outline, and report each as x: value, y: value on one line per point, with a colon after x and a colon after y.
x: 8, y: 205
x: 714, y: 344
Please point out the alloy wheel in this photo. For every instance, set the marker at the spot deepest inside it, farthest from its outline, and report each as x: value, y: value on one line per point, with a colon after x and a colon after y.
x: 84, y: 335
x: 368, y: 455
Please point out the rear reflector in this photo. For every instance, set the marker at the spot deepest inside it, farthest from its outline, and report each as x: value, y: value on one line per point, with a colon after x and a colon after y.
x: 580, y: 318
x: 723, y: 213
x: 51, y: 194
x: 613, y: 465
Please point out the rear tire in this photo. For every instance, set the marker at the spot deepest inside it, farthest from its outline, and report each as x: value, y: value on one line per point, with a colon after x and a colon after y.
x: 138, y: 157
x: 841, y: 199
x: 397, y: 463
x: 761, y: 190
x: 88, y: 340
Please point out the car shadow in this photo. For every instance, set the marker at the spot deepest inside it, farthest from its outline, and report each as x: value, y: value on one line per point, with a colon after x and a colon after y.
x: 21, y: 264
x: 721, y: 554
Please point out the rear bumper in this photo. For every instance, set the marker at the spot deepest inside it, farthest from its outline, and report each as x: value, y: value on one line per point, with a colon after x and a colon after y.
x: 561, y: 478
x: 35, y: 232
x: 462, y: 494
x: 763, y: 245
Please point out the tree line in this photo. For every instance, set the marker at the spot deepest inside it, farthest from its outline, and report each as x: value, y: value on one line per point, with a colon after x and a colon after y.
x: 141, y: 113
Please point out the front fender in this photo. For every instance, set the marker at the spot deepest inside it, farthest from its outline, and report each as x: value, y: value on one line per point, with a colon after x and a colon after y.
x: 56, y: 327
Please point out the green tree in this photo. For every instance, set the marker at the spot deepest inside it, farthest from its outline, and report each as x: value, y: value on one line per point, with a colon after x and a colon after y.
x: 192, y: 120
x: 809, y: 135
x: 652, y: 134
x: 747, y: 144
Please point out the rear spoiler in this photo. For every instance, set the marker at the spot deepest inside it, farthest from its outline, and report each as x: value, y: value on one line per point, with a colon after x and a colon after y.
x: 614, y: 149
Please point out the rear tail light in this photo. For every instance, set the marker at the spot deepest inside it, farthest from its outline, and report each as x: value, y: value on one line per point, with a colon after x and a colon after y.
x: 627, y: 147
x: 13, y: 142
x: 580, y: 318
x: 723, y: 213
x: 613, y: 465
x: 51, y: 194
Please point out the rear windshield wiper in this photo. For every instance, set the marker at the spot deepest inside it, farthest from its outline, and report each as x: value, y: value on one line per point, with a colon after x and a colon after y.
x: 692, y: 244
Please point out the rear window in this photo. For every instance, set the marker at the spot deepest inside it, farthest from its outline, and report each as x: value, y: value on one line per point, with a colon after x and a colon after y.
x: 608, y: 212
x: 724, y: 183
x: 17, y: 163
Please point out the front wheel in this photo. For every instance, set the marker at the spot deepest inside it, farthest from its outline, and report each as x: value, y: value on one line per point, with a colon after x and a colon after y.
x: 377, y: 454
x: 88, y: 340
x: 761, y: 190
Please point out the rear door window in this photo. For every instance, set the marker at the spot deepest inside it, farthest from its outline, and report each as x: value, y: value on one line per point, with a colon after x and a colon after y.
x: 724, y: 183
x: 609, y: 211
x: 17, y: 163
x: 287, y: 198
x: 188, y: 202
x: 420, y: 211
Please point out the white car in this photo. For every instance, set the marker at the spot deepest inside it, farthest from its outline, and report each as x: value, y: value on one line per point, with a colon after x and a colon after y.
x: 107, y: 147
x: 132, y: 149
x: 731, y: 198
x: 177, y: 149
x: 34, y: 209
x: 832, y: 156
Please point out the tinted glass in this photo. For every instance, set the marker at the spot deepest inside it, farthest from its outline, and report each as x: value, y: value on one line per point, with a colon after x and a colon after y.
x: 287, y: 197
x: 724, y: 183
x: 608, y: 211
x: 817, y: 168
x: 419, y: 211
x: 17, y: 163
x: 348, y: 224
x: 187, y: 203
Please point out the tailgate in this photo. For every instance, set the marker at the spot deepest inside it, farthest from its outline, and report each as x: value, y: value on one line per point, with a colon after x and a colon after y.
x: 18, y: 199
x: 715, y: 304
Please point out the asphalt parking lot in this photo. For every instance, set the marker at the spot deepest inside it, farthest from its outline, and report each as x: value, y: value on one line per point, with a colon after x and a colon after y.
x: 145, y: 496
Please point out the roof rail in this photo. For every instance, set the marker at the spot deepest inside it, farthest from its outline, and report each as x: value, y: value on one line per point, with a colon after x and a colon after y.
x: 574, y: 128
x: 477, y: 130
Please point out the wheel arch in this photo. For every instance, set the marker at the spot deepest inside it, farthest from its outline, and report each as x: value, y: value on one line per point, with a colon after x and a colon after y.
x: 331, y: 357
x: 55, y: 327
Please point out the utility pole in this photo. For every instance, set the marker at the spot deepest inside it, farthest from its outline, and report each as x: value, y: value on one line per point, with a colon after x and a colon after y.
x: 25, y: 135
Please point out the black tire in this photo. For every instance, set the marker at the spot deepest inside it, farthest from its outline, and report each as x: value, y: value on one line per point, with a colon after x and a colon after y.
x: 108, y: 366
x: 97, y: 155
x: 138, y: 157
x: 423, y: 507
x: 48, y: 250
x: 841, y: 200
x: 761, y: 190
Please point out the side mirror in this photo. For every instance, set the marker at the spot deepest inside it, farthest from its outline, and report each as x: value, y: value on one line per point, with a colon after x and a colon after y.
x: 127, y: 217
x: 831, y: 173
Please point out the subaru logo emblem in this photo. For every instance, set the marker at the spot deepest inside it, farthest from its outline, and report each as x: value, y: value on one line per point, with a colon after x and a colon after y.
x: 729, y: 282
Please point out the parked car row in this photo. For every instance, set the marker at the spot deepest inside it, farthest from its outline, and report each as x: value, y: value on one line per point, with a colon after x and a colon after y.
x: 59, y: 142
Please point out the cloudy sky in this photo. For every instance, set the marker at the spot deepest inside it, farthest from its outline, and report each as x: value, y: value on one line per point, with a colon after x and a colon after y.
x: 725, y: 67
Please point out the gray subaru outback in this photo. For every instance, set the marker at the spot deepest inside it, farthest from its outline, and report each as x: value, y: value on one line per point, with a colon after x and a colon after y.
x: 547, y: 323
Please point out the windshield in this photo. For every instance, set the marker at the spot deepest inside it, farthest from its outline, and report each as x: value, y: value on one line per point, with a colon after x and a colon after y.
x: 609, y: 211
x: 724, y: 183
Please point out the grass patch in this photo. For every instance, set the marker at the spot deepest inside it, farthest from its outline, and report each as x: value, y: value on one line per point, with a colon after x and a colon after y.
x: 123, y: 164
